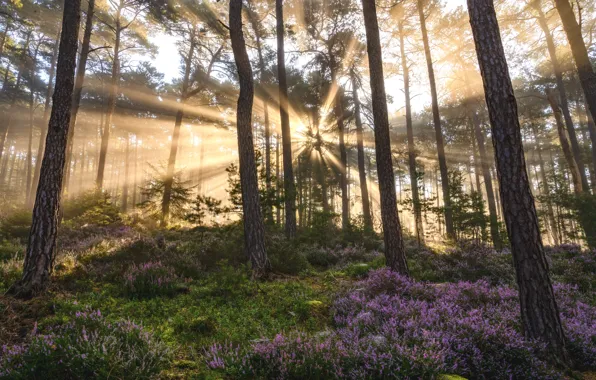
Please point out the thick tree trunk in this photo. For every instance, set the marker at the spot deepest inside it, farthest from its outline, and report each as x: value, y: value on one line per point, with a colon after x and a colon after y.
x: 254, y: 229
x: 360, y: 147
x: 437, y: 125
x: 111, y: 106
x: 539, y: 311
x: 46, y: 117
x: 79, y: 81
x: 39, y: 258
x: 585, y: 71
x: 289, y: 186
x: 416, y: 206
x: 563, y: 103
x: 394, y: 245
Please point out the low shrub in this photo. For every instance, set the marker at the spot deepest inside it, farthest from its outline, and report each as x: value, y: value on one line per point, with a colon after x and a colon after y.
x: 86, y: 347
x: 151, y: 279
x: 11, y: 271
x: 391, y: 325
x: 16, y: 225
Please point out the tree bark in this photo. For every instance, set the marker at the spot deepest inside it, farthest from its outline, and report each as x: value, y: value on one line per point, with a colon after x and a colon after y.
x: 39, y: 258
x: 539, y: 311
x: 416, y: 206
x: 395, y: 256
x: 360, y: 147
x: 46, y: 117
x: 437, y: 125
x: 289, y: 185
x: 254, y: 229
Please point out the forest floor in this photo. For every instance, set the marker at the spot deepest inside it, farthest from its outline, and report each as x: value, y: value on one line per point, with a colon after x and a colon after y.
x: 325, y: 312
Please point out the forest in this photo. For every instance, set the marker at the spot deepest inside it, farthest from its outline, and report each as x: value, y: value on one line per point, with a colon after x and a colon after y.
x: 298, y: 189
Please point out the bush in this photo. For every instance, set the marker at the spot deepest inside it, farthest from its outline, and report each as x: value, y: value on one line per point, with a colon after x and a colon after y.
x: 151, y: 279
x: 11, y: 248
x: 285, y: 256
x: 91, y: 208
x: 570, y: 265
x: 324, y: 257
x: 16, y: 225
x: 392, y: 326
x: 10, y: 271
x: 86, y: 347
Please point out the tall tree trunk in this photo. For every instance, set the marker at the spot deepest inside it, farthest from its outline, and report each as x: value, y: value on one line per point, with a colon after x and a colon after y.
x: 46, y: 116
x: 169, y: 179
x: 539, y: 311
x: 343, y: 155
x: 437, y: 124
x: 488, y: 184
x: 79, y: 81
x: 360, y: 147
x: 289, y: 186
x: 417, y: 206
x: 39, y: 258
x: 28, y: 192
x: 111, y: 106
x: 277, y: 187
x: 564, y: 103
x: 135, y: 173
x: 254, y: 229
x: 126, y: 174
x: 585, y: 70
x: 546, y: 189
x: 395, y: 255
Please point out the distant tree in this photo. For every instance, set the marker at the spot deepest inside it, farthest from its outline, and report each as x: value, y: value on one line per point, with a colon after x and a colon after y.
x: 254, y: 229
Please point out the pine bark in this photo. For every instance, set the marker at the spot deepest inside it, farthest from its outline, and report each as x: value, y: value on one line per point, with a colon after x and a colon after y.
x: 289, y: 185
x: 394, y: 245
x: 539, y: 310
x: 437, y: 124
x: 254, y: 229
x: 416, y: 206
x: 39, y: 258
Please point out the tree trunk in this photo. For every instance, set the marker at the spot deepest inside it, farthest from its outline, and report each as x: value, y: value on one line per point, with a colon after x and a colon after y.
x: 585, y: 70
x: 488, y: 184
x: 39, y: 258
x: 46, y: 117
x: 437, y: 125
x: 28, y: 192
x: 169, y: 180
x: 394, y: 245
x: 254, y: 229
x: 417, y: 206
x: 289, y: 186
x: 343, y: 180
x: 539, y: 311
x: 564, y: 103
x: 111, y: 106
x: 79, y: 81
x: 126, y: 175
x: 360, y: 147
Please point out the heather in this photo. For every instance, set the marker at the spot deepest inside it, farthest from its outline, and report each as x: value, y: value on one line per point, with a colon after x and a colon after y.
x: 129, y: 300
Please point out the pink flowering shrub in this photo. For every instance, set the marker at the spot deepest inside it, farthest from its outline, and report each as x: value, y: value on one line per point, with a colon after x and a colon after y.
x: 151, y: 279
x: 86, y: 347
x: 392, y: 326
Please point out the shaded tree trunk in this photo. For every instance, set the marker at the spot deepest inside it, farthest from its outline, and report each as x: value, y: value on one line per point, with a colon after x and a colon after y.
x: 539, y: 311
x: 394, y: 245
x: 437, y: 125
x: 563, y: 102
x: 254, y: 229
x: 360, y: 147
x: 585, y: 71
x: 417, y: 206
x: 39, y: 257
x: 289, y: 185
